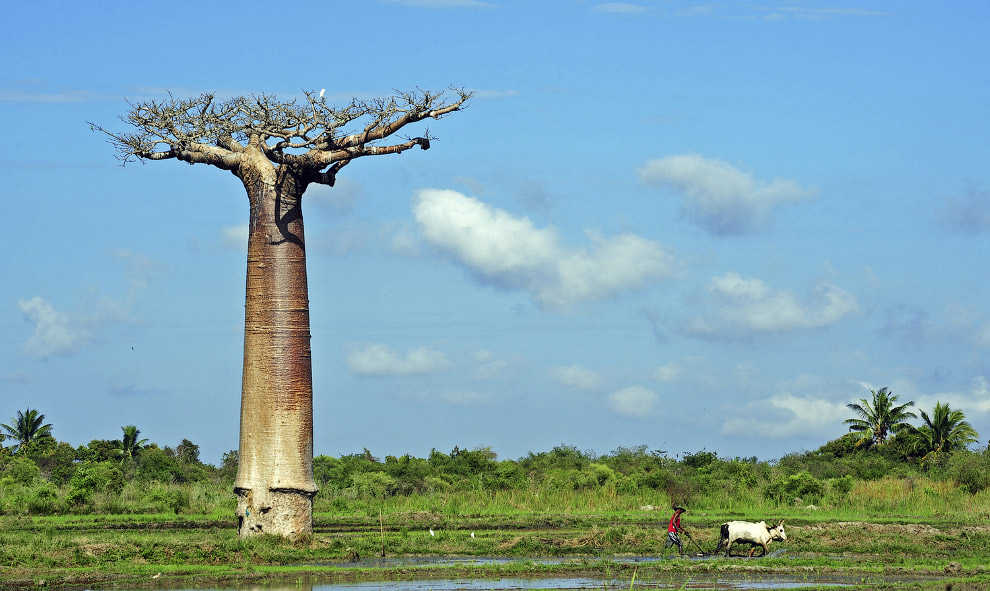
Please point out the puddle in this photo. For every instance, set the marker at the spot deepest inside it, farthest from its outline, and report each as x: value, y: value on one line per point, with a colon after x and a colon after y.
x: 734, y: 583
x: 723, y: 581
x: 579, y: 583
x: 442, y: 561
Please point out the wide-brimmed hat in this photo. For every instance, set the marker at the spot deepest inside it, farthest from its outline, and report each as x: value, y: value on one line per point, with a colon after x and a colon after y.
x: 679, y: 508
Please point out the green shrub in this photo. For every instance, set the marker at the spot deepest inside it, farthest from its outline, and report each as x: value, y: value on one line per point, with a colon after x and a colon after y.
x: 93, y: 477
x: 168, y: 498
x: 842, y: 486
x: 376, y: 485
x: 970, y: 470
x: 600, y: 474
x: 20, y: 470
x: 44, y: 501
x: 801, y: 485
x: 156, y: 464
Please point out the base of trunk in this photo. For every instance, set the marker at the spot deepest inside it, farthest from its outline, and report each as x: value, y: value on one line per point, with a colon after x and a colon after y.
x: 280, y: 512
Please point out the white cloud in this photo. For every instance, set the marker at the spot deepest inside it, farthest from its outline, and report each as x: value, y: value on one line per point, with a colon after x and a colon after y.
x: 785, y: 415
x: 235, y: 237
x: 741, y: 306
x: 575, y: 376
x: 18, y: 376
x: 443, y: 3
x: 621, y: 8
x: 64, y: 333
x: 974, y: 402
x: 338, y: 200
x: 54, y: 332
x: 463, y: 397
x: 402, y: 239
x: 452, y: 395
x: 634, y: 401
x: 512, y: 253
x: 667, y: 373
x: 956, y: 323
x: 718, y: 196
x: 491, y: 367
x: 798, y: 12
x: 379, y: 360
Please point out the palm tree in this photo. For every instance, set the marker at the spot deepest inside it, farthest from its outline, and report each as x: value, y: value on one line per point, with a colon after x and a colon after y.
x: 944, y: 431
x: 27, y: 426
x: 879, y: 418
x: 130, y: 444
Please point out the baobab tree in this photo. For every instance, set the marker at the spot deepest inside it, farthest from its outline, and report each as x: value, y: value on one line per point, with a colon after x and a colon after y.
x: 277, y: 149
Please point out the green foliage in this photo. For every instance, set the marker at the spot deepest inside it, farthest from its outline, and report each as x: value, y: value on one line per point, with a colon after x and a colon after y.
x: 376, y: 485
x: 99, y: 450
x: 944, y: 431
x: 879, y: 417
x: 168, y: 499
x: 562, y: 457
x: 93, y: 477
x: 971, y: 471
x: 19, y: 470
x: 57, y: 462
x: 839, y: 448
x: 699, y: 459
x: 186, y: 452
x: 330, y: 472
x: 27, y: 426
x: 228, y: 466
x: 156, y: 464
x: 842, y: 485
x: 131, y: 444
x: 44, y: 500
x: 801, y: 486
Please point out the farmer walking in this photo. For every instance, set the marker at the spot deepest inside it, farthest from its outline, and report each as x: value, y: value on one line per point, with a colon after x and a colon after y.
x: 673, y: 529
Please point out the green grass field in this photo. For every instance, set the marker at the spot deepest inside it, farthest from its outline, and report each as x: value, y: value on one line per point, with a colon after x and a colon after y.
x: 916, y: 533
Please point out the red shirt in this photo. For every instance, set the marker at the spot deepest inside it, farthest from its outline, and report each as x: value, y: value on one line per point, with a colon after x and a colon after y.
x: 675, y: 522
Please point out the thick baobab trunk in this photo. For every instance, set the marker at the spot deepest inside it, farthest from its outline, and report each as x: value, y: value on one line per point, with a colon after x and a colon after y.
x: 274, y: 484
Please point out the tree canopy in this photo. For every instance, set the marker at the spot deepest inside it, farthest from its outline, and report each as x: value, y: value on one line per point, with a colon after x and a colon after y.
x: 879, y: 417
x: 310, y: 135
x: 27, y: 426
x: 945, y: 430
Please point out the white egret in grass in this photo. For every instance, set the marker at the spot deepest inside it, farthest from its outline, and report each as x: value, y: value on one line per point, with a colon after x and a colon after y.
x: 431, y: 532
x: 472, y: 534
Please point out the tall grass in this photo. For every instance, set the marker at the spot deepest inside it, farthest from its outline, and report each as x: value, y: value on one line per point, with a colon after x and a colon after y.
x: 915, y: 496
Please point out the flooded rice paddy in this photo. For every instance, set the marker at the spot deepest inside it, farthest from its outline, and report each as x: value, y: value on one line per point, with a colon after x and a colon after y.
x: 724, y: 581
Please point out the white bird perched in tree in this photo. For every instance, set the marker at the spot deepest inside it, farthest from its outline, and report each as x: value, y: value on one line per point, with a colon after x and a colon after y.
x: 322, y: 90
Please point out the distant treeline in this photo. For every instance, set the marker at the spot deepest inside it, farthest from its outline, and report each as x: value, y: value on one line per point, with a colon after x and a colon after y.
x: 45, y: 476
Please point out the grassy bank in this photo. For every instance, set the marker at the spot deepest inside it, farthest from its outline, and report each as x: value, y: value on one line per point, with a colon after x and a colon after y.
x: 882, y: 529
x: 167, y: 520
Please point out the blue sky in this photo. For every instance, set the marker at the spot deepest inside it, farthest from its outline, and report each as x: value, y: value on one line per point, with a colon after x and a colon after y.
x: 686, y: 225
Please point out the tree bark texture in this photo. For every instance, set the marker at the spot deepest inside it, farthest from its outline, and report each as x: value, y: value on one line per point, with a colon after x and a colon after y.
x: 274, y: 484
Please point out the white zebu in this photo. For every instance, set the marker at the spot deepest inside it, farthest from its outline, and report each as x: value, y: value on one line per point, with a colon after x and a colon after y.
x: 754, y: 534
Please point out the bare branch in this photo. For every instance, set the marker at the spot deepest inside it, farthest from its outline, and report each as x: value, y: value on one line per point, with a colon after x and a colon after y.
x: 330, y: 176
x: 309, y: 135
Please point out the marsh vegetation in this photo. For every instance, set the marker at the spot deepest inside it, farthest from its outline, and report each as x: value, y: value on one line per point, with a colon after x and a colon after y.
x: 864, y: 511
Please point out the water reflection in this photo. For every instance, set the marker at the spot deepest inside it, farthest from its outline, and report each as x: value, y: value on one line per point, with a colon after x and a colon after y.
x: 724, y: 582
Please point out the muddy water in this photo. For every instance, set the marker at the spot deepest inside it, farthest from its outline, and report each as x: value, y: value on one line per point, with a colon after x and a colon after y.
x: 439, y: 561
x: 737, y: 583
x: 556, y: 583
x: 572, y: 583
